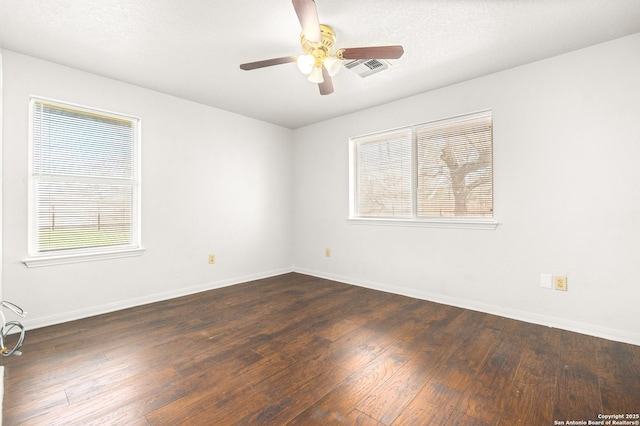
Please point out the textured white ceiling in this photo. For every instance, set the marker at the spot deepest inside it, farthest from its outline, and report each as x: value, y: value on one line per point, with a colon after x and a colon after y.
x: 192, y: 48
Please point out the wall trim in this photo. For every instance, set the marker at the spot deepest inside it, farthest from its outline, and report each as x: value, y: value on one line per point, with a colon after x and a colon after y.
x: 530, y: 317
x: 549, y: 321
x: 139, y: 301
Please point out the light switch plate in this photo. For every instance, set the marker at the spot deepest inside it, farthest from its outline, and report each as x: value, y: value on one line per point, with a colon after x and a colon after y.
x: 546, y: 280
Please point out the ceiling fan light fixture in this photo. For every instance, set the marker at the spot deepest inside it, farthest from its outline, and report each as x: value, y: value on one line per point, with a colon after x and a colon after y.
x: 319, y: 61
x: 305, y: 63
x: 333, y: 65
x: 316, y: 75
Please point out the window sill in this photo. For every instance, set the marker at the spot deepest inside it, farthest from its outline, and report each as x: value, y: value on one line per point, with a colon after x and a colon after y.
x: 452, y: 223
x: 52, y: 260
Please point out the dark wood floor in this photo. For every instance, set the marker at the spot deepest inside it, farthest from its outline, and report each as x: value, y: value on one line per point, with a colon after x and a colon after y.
x: 295, y: 349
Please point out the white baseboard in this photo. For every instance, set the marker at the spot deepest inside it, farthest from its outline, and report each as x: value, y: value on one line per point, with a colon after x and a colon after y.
x: 555, y: 322
x: 130, y: 303
x: 530, y: 317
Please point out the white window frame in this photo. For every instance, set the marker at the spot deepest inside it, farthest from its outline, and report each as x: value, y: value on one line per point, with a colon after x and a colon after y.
x: 482, y: 223
x: 66, y: 256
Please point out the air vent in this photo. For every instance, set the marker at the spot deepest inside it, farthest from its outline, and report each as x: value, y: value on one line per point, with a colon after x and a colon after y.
x: 366, y: 67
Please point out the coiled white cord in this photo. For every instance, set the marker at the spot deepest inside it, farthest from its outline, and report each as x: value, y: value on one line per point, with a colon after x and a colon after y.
x: 7, y: 327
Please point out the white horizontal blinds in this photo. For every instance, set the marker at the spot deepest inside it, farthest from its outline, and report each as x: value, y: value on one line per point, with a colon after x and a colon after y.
x: 77, y: 143
x: 83, y: 165
x: 76, y: 215
x: 455, y: 168
x: 384, y: 175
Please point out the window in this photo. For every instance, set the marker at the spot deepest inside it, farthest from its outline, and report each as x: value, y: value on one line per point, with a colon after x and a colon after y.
x: 84, y: 184
x: 433, y: 173
x: 383, y: 173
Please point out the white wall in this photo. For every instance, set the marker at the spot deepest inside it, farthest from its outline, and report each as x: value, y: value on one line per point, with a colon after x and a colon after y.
x: 567, y: 196
x: 212, y: 182
x: 1, y: 118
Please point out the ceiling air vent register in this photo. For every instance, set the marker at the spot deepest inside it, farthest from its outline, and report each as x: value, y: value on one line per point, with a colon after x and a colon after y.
x: 366, y: 67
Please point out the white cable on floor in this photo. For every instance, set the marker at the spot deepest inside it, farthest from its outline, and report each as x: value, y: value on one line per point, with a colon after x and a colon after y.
x: 7, y: 328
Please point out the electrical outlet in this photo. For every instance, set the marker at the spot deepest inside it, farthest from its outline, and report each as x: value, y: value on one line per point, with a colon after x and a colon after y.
x: 327, y: 252
x: 212, y: 259
x: 560, y: 283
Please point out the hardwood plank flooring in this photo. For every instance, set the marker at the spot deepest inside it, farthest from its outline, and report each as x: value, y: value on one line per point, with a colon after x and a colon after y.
x: 300, y: 350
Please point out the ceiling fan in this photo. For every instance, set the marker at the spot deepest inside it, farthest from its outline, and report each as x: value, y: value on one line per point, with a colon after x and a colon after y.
x: 319, y: 61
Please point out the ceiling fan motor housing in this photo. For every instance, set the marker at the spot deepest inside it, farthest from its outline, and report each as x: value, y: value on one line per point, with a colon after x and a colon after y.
x: 319, y: 50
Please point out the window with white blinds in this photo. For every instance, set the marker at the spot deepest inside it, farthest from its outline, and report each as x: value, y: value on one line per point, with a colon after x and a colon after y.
x: 383, y: 171
x: 455, y: 168
x: 84, y: 180
x: 442, y: 169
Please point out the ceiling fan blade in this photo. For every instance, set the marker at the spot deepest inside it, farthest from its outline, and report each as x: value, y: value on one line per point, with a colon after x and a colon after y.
x: 373, y: 52
x: 326, y: 87
x: 308, y: 17
x: 267, y: 63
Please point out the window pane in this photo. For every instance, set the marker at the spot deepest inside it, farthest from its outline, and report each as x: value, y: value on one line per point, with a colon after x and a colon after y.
x: 384, y: 175
x: 73, y: 215
x: 455, y: 169
x: 77, y: 143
